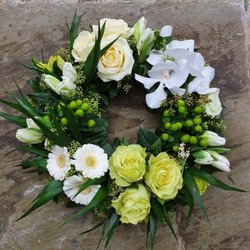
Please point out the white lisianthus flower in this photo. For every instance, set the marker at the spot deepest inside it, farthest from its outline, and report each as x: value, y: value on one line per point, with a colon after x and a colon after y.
x: 170, y: 75
x: 209, y: 157
x: 117, y: 62
x: 219, y: 161
x: 83, y: 45
x: 32, y: 125
x: 214, y: 107
x: 71, y: 186
x: 138, y: 28
x: 58, y: 163
x: 213, y: 139
x: 117, y: 27
x: 66, y: 87
x: 91, y: 160
x: 29, y: 136
x: 202, y: 157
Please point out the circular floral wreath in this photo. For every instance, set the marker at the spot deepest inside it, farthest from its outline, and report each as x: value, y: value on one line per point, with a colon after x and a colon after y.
x: 63, y: 127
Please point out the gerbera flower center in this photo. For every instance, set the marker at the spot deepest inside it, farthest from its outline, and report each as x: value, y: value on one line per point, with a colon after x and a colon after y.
x: 90, y: 161
x: 61, y: 161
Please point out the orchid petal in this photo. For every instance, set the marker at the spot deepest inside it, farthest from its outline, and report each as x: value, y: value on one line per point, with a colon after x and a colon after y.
x: 159, y: 69
x: 177, y: 78
x: 176, y: 53
x: 178, y: 91
x: 186, y: 44
x: 147, y: 82
x: 155, y: 98
x: 166, y: 31
x: 155, y: 57
x: 195, y: 61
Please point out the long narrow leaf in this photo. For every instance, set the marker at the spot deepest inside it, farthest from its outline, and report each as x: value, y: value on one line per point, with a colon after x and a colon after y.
x: 51, y: 190
x: 189, y: 199
x: 72, y: 123
x: 18, y: 120
x: 100, y: 195
x: 12, y: 105
x: 190, y: 184
x: 212, y: 180
x: 151, y: 229
x: 94, y: 227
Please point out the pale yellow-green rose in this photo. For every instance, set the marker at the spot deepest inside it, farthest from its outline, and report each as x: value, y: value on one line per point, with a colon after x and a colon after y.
x: 83, y: 45
x: 164, y: 176
x: 117, y: 62
x: 117, y: 27
x: 133, y: 205
x: 127, y: 164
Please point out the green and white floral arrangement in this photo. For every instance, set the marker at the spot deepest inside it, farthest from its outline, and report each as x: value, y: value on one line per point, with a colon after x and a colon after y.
x: 63, y: 129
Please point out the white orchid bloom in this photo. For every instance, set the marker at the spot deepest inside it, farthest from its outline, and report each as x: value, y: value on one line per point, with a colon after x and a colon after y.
x: 170, y: 75
x: 213, y: 139
x: 166, y: 31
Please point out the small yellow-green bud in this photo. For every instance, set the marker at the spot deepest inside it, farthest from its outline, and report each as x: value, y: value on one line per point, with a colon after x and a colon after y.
x: 185, y: 138
x: 91, y: 123
x: 193, y: 140
x: 72, y: 105
x: 64, y: 121
x: 164, y: 136
x: 167, y: 125
x: 79, y: 113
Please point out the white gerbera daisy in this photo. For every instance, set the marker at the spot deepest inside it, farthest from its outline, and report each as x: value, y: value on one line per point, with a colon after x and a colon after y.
x: 91, y: 160
x: 71, y: 186
x: 58, y: 163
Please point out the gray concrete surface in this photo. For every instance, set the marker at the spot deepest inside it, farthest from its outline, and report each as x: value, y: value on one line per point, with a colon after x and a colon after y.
x: 221, y: 29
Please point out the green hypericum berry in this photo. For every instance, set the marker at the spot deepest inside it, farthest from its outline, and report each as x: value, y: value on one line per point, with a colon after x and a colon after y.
x: 46, y: 117
x: 189, y: 123
x: 197, y: 120
x: 60, y: 113
x: 175, y: 148
x: 79, y: 113
x: 173, y: 127
x: 85, y: 106
x: 203, y: 142
x: 91, y: 123
x: 64, y: 121
x: 90, y: 110
x: 185, y: 138
x: 166, y: 113
x: 198, y: 109
x: 72, y: 105
x: 179, y: 125
x: 79, y: 102
x: 180, y: 103
x: 167, y: 125
x: 193, y: 140
x: 182, y: 110
x: 198, y: 128
x: 164, y: 136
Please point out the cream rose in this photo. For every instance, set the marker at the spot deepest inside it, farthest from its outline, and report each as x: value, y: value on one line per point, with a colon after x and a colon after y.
x: 117, y: 27
x: 164, y: 176
x: 83, y: 45
x: 133, y: 205
x: 117, y: 62
x: 127, y: 164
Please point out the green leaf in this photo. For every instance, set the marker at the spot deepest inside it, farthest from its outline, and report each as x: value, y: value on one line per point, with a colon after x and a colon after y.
x: 157, y: 208
x: 72, y: 123
x: 12, y: 105
x: 110, y: 226
x: 151, y: 229
x: 190, y: 184
x: 219, y: 150
x: 100, y: 196
x: 18, y: 120
x: 156, y: 146
x: 51, y: 190
x: 212, y: 180
x: 190, y: 201
x: 89, y: 182
x: 146, y: 138
x: 37, y: 161
x: 73, y: 31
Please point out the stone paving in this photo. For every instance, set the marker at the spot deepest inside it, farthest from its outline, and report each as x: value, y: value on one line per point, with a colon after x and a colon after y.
x: 222, y: 34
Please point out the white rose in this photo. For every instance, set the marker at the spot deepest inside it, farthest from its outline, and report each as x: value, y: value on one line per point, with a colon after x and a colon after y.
x: 83, y: 45
x: 117, y: 62
x: 214, y: 107
x: 117, y: 27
